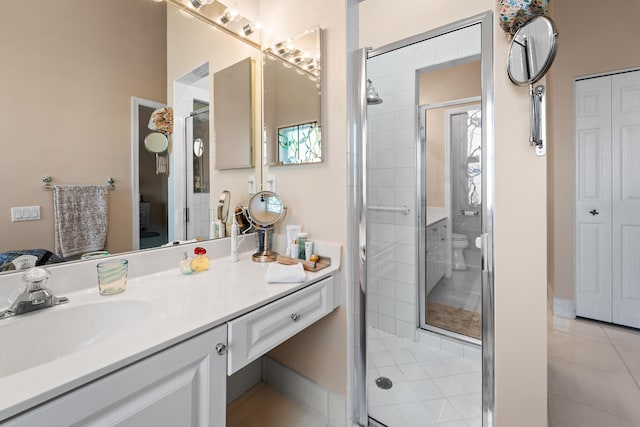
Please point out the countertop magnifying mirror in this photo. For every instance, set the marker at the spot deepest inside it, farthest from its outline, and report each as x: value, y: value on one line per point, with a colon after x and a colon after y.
x: 265, y: 211
x: 292, y: 71
x: 532, y: 51
x: 223, y: 207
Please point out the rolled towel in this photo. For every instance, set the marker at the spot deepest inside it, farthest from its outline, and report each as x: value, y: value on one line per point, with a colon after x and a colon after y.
x: 279, y: 273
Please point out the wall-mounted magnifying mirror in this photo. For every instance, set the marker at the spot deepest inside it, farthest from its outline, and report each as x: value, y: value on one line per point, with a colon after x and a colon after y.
x: 532, y: 51
x: 156, y: 142
x: 293, y: 100
x: 198, y: 147
x: 266, y: 210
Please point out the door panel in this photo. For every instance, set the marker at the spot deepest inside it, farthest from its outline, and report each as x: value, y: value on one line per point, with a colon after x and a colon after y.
x: 593, y: 199
x: 626, y: 198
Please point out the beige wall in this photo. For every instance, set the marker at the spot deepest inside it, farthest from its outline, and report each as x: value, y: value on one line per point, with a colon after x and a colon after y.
x: 442, y: 85
x: 520, y: 213
x: 590, y: 42
x: 69, y: 71
x: 316, y: 194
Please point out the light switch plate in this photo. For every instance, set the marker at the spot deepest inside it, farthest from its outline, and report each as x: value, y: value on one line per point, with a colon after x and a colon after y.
x: 251, y: 182
x: 25, y: 213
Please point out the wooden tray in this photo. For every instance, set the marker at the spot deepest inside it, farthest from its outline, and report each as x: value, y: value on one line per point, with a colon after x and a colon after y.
x: 323, y: 262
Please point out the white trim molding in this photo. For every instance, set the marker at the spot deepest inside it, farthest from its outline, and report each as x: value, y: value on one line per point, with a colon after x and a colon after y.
x: 564, y: 308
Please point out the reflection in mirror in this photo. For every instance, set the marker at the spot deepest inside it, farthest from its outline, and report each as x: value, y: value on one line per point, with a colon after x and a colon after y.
x: 96, y: 98
x: 233, y: 92
x: 223, y: 207
x: 532, y: 51
x: 156, y: 142
x: 293, y: 100
x: 452, y: 124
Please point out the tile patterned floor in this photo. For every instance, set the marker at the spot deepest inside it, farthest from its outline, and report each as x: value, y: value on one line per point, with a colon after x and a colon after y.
x: 594, y: 381
x: 263, y: 406
x: 431, y: 387
x: 594, y: 374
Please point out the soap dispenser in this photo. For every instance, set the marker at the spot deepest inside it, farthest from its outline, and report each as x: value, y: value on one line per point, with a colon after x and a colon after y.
x: 185, y: 264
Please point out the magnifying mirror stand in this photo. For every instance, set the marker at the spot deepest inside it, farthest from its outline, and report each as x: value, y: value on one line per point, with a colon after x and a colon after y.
x: 264, y: 254
x: 538, y: 118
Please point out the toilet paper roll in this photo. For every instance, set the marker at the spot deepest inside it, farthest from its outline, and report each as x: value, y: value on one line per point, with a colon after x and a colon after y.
x: 469, y: 213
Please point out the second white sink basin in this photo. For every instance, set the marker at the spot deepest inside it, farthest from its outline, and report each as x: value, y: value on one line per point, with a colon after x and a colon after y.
x: 56, y: 332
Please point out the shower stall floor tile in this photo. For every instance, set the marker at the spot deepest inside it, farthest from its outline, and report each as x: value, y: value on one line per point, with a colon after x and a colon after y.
x: 431, y: 387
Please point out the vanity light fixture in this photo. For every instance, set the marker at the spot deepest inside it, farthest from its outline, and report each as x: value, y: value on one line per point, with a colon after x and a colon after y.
x: 197, y: 4
x: 250, y: 28
x: 231, y: 14
x: 289, y: 54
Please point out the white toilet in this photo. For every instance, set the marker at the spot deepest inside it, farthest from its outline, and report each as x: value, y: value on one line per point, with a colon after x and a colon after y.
x: 459, y: 242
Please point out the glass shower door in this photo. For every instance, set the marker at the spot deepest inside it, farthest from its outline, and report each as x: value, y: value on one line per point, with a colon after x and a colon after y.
x: 416, y: 377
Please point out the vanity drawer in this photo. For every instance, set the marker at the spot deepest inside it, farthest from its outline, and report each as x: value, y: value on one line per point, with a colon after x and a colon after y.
x: 255, y: 333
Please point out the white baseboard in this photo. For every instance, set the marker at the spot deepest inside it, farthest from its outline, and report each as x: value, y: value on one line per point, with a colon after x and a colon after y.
x: 564, y: 308
x: 330, y: 406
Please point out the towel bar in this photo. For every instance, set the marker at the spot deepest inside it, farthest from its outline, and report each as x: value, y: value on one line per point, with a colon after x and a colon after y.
x: 404, y: 209
x: 48, y: 186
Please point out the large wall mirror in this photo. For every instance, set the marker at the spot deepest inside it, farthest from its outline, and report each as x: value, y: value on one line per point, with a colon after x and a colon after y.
x: 77, y: 76
x: 293, y: 100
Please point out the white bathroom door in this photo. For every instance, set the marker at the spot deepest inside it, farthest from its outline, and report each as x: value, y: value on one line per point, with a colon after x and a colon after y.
x: 626, y: 198
x: 593, y: 278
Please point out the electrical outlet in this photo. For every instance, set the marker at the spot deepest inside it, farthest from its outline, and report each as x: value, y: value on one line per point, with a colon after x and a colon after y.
x: 25, y: 213
x: 251, y: 182
x: 270, y: 183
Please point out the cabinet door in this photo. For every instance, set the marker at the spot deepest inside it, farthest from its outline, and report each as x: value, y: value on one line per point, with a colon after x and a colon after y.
x: 593, y: 198
x: 184, y: 385
x: 625, y: 154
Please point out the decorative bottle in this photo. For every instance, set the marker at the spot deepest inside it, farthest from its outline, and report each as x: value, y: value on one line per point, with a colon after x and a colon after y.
x: 200, y: 262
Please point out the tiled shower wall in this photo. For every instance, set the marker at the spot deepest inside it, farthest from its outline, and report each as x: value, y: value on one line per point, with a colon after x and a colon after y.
x: 392, y: 164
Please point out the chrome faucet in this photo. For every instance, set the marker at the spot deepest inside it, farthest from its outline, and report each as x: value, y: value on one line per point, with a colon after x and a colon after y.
x: 35, y: 296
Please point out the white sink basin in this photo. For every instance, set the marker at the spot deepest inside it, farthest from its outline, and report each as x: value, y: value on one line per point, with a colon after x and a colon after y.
x: 55, y: 332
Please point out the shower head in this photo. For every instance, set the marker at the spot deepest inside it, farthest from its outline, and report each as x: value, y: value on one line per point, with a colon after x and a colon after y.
x: 372, y: 95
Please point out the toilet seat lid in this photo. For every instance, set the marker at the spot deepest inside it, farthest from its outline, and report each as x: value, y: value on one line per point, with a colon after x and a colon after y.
x: 456, y: 236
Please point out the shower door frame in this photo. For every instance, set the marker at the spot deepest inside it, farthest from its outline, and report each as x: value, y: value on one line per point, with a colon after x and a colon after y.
x: 357, y: 238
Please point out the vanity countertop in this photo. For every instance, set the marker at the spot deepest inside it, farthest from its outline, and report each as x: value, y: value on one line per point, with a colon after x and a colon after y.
x: 432, y: 218
x: 180, y: 307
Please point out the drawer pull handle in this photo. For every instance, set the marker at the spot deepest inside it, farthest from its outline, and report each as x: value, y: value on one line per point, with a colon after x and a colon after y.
x: 221, y: 348
x: 295, y: 317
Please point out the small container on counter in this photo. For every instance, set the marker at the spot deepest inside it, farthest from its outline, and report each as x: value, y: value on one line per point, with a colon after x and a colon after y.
x: 302, y: 239
x: 293, y: 249
x: 308, y: 250
x: 200, y: 262
x: 185, y: 264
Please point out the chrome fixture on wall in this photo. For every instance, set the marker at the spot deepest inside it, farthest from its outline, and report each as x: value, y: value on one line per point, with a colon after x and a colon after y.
x: 532, y: 52
x: 372, y: 94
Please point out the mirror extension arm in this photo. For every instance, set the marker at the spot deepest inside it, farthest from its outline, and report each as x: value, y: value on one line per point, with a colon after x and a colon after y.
x: 538, y: 118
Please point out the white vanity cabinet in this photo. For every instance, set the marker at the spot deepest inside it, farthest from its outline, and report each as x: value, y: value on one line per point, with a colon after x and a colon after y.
x: 184, y: 385
x: 436, y: 255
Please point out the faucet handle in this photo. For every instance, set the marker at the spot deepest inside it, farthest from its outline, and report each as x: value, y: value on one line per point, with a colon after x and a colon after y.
x: 36, y: 278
